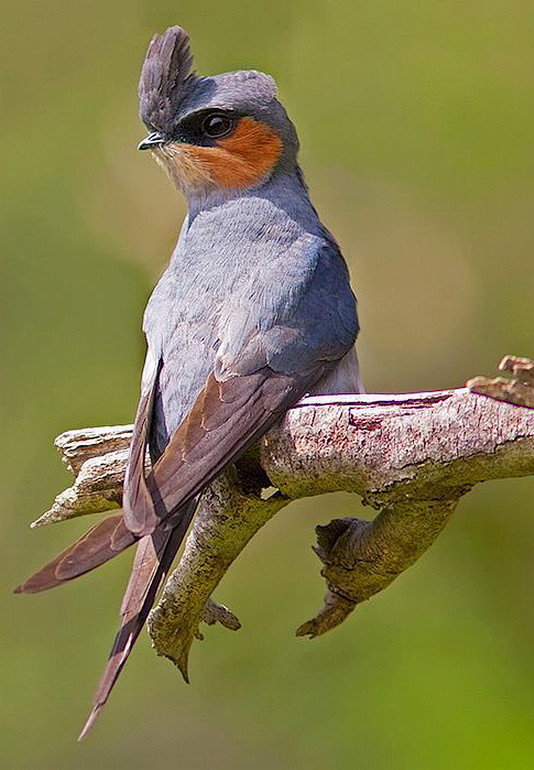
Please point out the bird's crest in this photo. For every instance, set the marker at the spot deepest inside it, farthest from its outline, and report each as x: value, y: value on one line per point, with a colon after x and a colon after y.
x: 166, y: 78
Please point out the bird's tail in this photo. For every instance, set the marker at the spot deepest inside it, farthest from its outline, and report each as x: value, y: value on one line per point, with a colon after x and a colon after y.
x: 99, y: 544
x: 154, y: 556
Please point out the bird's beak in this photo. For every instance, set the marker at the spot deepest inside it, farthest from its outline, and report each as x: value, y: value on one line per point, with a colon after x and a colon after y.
x: 151, y: 141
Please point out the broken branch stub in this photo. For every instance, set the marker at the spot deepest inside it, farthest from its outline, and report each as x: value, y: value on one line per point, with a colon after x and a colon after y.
x: 518, y: 389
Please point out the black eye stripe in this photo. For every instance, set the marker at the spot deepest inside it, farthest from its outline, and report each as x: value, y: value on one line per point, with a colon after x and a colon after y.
x: 206, y: 126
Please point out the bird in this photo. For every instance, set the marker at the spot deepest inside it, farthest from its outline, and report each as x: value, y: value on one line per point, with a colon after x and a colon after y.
x: 254, y: 311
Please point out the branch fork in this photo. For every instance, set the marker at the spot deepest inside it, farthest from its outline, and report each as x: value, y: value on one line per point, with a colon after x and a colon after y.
x: 409, y: 456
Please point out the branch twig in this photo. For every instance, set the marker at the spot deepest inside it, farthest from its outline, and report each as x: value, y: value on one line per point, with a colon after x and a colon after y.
x: 518, y: 389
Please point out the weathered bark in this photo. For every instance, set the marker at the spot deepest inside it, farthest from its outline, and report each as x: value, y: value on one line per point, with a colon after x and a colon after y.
x: 409, y: 456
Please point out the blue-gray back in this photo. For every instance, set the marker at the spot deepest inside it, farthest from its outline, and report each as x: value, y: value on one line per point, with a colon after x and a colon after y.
x: 251, y: 283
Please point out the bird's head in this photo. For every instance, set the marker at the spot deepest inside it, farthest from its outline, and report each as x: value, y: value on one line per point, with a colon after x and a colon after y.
x: 228, y: 132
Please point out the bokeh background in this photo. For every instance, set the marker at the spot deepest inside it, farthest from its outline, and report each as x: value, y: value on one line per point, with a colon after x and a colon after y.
x: 416, y: 121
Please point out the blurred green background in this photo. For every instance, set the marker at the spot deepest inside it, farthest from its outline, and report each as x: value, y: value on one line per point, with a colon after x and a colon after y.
x: 416, y: 121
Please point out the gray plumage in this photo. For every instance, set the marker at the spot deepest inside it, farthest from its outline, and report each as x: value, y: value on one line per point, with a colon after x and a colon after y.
x: 252, y: 282
x: 166, y: 78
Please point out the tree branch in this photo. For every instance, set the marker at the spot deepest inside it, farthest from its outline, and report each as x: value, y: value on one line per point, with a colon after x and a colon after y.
x: 409, y: 456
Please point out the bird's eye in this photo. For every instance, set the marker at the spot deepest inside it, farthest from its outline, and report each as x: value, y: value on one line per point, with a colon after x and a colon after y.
x: 216, y: 125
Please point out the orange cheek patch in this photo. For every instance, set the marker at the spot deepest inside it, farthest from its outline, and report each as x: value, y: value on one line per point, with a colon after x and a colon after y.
x: 243, y: 158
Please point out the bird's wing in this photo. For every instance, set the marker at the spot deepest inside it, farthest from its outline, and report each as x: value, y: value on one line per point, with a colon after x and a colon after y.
x: 226, y: 419
x: 99, y: 544
x: 136, y: 495
x: 264, y: 365
x: 153, y: 560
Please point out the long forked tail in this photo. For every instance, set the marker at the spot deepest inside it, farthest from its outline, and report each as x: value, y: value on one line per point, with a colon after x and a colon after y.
x: 99, y: 544
x: 153, y: 558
